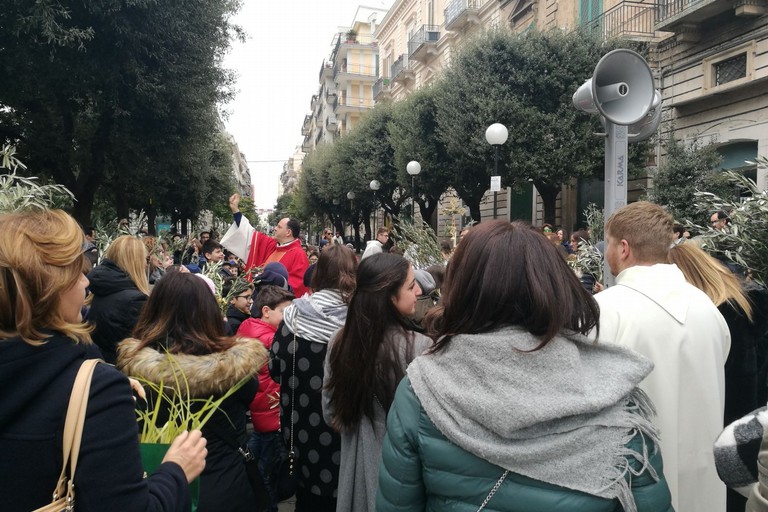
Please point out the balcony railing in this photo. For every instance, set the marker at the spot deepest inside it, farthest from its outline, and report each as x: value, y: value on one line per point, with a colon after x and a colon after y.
x: 672, y: 13
x: 307, y: 125
x: 356, y: 69
x: 400, y: 70
x: 326, y: 69
x: 634, y: 20
x: 458, y: 12
x: 381, y: 85
x: 353, y: 102
x: 427, y: 35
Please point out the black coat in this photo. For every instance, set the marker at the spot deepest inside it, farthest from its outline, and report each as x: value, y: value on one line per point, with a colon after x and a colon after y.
x: 235, y: 317
x: 36, y: 383
x: 316, y: 444
x: 115, y: 308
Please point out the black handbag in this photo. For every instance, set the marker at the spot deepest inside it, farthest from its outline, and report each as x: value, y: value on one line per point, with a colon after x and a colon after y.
x: 284, y: 471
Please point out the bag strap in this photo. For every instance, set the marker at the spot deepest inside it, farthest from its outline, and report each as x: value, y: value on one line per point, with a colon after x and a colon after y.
x: 73, y: 426
x: 292, y: 383
x: 493, y: 490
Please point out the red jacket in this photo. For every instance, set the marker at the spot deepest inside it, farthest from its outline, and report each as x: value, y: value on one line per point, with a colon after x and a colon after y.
x: 265, y: 407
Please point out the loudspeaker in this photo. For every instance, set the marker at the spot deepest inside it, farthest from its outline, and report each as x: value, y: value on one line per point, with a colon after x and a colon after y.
x: 645, y: 127
x: 621, y: 88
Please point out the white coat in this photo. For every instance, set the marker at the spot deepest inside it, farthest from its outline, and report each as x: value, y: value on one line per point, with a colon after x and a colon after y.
x: 654, y: 311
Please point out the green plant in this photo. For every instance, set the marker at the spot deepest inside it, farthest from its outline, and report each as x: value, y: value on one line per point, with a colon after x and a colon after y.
x: 173, y: 411
x: 18, y: 193
x: 745, y: 242
x: 419, y: 243
x: 588, y: 258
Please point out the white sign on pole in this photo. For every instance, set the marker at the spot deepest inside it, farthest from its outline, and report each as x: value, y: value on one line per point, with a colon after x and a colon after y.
x: 495, y: 183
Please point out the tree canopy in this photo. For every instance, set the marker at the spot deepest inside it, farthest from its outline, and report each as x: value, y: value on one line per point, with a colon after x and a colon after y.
x: 120, y: 99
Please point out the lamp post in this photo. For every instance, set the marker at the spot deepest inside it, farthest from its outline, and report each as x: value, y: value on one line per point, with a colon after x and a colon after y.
x: 496, y: 135
x: 375, y: 186
x: 413, y: 168
x: 351, y: 196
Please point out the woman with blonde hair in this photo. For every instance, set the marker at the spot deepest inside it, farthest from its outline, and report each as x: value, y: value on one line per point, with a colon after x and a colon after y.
x: 120, y: 288
x: 727, y: 293
x: 43, y: 343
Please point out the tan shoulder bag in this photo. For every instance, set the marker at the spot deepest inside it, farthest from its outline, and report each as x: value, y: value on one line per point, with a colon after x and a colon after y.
x: 64, y: 494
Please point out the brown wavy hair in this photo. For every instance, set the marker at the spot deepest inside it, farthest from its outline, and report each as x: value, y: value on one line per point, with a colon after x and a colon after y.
x: 182, y: 316
x: 41, y: 256
x: 335, y: 270
x: 509, y: 274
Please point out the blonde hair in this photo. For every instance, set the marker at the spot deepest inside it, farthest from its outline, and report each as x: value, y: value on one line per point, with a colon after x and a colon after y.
x: 130, y: 254
x: 41, y: 257
x: 710, y: 276
x: 646, y: 227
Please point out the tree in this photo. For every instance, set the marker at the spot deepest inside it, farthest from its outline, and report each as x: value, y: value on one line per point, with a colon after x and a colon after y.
x: 117, y: 97
x: 412, y: 136
x: 689, y: 168
x: 524, y: 81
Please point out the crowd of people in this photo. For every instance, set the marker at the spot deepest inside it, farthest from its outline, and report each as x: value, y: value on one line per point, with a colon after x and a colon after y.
x: 497, y: 380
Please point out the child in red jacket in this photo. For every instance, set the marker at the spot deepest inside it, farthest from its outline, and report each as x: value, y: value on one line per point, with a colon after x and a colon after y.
x: 265, y: 407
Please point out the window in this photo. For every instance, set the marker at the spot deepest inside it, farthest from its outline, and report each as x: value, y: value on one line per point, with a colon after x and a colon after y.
x: 731, y: 69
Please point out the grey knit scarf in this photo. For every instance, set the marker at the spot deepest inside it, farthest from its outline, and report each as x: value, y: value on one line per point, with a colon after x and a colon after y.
x: 562, y: 414
x: 319, y: 315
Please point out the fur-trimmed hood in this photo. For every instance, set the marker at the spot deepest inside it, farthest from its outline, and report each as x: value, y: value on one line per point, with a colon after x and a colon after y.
x: 210, y: 374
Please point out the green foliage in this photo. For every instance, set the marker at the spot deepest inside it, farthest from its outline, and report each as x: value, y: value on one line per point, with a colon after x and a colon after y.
x: 119, y: 99
x: 745, y: 242
x: 419, y: 243
x: 18, y: 193
x: 688, y: 169
x: 173, y: 410
x: 589, y: 260
x: 525, y: 82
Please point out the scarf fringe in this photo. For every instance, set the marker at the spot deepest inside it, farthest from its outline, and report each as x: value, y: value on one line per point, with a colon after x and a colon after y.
x: 640, y: 409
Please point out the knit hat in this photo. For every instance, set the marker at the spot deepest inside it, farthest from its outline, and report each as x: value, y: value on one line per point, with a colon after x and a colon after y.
x: 275, y: 274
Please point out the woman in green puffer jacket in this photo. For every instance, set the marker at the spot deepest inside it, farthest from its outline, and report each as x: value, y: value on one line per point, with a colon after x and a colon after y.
x: 514, y: 409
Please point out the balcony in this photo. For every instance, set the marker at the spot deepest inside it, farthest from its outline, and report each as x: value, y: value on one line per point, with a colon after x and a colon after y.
x: 462, y: 13
x: 354, y: 71
x: 330, y: 96
x: 423, y: 44
x: 306, y: 146
x: 306, y: 127
x: 348, y: 104
x: 381, y: 89
x: 314, y: 102
x: 326, y: 71
x: 330, y: 124
x: 684, y: 16
x: 632, y: 20
x: 401, y: 71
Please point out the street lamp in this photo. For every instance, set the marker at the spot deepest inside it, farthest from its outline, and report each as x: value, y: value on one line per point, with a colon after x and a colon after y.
x: 350, y: 196
x: 496, y: 135
x: 375, y: 186
x: 413, y: 168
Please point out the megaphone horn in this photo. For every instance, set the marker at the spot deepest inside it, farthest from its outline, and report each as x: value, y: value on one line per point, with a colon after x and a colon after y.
x: 621, y: 88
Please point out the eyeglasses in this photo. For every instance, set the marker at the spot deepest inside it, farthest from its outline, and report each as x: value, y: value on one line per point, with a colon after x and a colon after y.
x: 249, y: 298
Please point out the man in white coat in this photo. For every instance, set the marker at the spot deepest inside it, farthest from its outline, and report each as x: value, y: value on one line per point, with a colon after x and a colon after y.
x: 654, y: 311
x: 376, y: 246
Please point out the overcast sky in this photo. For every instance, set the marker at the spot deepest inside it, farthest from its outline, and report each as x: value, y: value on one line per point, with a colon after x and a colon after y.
x: 278, y: 68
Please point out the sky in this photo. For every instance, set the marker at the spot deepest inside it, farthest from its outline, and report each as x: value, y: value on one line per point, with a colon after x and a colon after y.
x: 278, y: 68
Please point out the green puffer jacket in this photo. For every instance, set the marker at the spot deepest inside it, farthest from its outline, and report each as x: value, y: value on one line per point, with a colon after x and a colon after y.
x: 421, y: 470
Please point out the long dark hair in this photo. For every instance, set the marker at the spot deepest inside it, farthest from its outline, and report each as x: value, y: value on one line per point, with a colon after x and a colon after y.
x: 182, y: 316
x: 508, y: 274
x: 364, y: 368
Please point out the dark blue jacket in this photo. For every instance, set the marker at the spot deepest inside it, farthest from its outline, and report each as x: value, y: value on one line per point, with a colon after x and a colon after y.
x: 36, y: 383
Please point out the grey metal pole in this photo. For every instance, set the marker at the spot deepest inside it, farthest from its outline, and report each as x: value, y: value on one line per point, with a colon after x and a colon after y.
x: 495, y: 194
x: 413, y: 199
x: 616, y: 174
